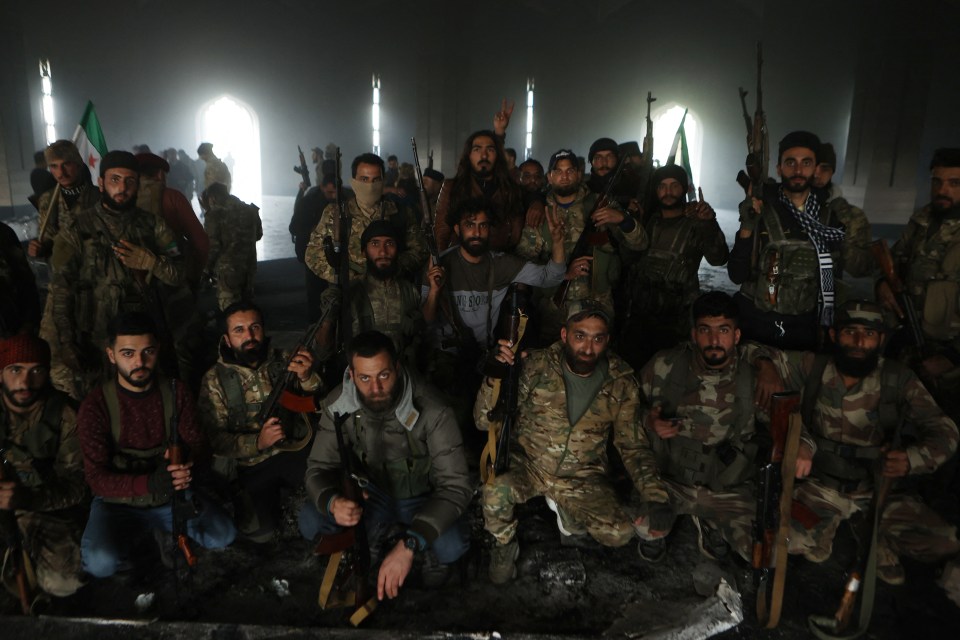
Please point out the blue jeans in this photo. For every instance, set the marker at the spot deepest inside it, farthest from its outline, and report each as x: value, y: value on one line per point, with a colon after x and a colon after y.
x: 379, y: 515
x: 112, y: 528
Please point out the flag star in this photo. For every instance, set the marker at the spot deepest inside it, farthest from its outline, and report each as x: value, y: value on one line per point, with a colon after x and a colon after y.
x: 92, y: 161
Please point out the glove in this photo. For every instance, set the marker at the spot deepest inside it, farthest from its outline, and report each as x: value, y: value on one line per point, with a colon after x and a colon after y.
x: 160, y: 482
x: 660, y: 515
x: 139, y: 258
x: 748, y: 217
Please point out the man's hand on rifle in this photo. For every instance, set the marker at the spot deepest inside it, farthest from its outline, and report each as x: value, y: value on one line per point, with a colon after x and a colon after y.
x: 179, y: 473
x: 270, y: 434
x: 666, y: 429
x: 887, y: 299
x: 501, y: 120
x: 505, y: 353
x: 749, y: 216
x: 579, y: 268
x: 134, y: 256
x: 35, y: 249
x: 11, y: 494
x: 804, y: 461
x: 769, y: 382
x: 435, y: 277
x: 394, y: 570
x: 607, y: 215
x: 302, y: 365
x: 896, y: 464
x: 345, y: 512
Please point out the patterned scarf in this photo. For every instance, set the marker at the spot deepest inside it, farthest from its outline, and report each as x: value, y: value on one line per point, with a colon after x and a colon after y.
x: 824, y: 238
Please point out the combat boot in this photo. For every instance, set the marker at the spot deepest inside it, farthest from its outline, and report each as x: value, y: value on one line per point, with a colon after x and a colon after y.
x: 710, y: 540
x: 503, y: 562
x: 653, y: 550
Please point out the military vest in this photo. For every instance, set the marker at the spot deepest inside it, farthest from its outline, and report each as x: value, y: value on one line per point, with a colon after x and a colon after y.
x: 932, y: 276
x: 34, y: 456
x: 787, y: 271
x: 689, y: 461
x: 138, y: 461
x: 606, y: 266
x: 660, y: 279
x: 402, y: 478
x: 847, y: 467
x: 365, y: 319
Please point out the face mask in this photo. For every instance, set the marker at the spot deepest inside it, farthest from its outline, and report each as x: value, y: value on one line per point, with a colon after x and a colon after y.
x: 368, y: 193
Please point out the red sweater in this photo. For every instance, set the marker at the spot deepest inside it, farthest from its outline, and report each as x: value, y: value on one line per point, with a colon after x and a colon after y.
x: 142, y: 427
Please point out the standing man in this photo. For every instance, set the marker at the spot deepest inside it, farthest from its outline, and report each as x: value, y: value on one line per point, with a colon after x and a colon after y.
x: 411, y: 459
x: 703, y: 399
x: 532, y: 178
x: 366, y: 205
x: 380, y: 301
x: 234, y: 227
x: 791, y: 251
x: 125, y: 428
x: 74, y: 192
x: 103, y: 263
x: 854, y: 404
x: 215, y: 171
x: 43, y: 467
x: 604, y: 156
x: 269, y: 457
x: 432, y: 183
x: 574, y: 397
x: 663, y: 280
x: 596, y: 274
x: 306, y: 214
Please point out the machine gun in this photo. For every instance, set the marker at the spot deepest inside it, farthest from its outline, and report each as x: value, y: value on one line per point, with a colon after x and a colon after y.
x: 20, y: 564
x: 646, y: 169
x: 302, y: 169
x: 771, y: 528
x: 590, y: 236
x: 758, y: 140
x: 495, y: 457
x: 881, y: 253
x: 349, y: 550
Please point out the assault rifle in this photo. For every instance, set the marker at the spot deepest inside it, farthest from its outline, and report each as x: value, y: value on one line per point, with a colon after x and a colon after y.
x: 343, y: 265
x: 771, y: 528
x: 758, y: 140
x: 350, y: 548
x: 302, y: 169
x: 19, y: 562
x: 881, y: 253
x: 591, y: 236
x: 183, y: 509
x: 646, y: 169
x: 495, y: 458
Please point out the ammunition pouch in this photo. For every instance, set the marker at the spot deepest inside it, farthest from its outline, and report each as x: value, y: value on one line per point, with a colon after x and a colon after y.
x: 718, y: 467
x: 843, y: 467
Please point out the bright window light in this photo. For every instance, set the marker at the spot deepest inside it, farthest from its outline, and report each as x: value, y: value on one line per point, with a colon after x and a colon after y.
x: 46, y: 102
x: 375, y: 112
x: 528, y: 150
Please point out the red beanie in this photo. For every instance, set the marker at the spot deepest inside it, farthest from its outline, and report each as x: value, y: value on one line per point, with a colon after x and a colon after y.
x: 23, y: 348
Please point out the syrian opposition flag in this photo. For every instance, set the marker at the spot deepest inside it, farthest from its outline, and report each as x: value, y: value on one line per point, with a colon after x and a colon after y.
x: 680, y: 145
x: 89, y: 139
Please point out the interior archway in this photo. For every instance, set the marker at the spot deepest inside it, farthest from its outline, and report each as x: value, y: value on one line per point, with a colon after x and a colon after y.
x: 666, y: 121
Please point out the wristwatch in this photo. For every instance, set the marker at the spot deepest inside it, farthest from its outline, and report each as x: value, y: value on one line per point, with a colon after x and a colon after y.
x: 411, y: 542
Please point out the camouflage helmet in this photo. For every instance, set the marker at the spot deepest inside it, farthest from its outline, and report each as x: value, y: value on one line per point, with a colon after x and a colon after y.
x: 580, y: 310
x: 864, y: 312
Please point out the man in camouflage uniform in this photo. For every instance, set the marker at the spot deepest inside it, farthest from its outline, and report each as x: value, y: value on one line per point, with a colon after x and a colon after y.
x: 216, y: 171
x: 366, y: 205
x: 271, y: 456
x: 234, y: 227
x: 573, y: 397
x: 104, y: 263
x: 43, y: 468
x: 855, y: 404
x: 19, y: 298
x: 381, y: 300
x: 593, y: 275
x: 703, y: 400
x: 410, y: 455
x: 662, y: 281
x: 791, y: 251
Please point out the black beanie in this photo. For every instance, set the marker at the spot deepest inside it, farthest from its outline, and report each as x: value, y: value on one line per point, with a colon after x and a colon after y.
x: 674, y: 171
x: 379, y: 228
x: 118, y: 160
x: 803, y: 139
x: 603, y: 144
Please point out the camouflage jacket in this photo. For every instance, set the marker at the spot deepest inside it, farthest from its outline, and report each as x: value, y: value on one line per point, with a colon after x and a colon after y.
x: 233, y: 429
x: 927, y: 257
x: 781, y: 255
x: 850, y: 416
x: 216, y: 171
x: 552, y: 447
x: 233, y: 229
x: 60, y: 214
x: 411, y: 259
x: 90, y: 285
x: 535, y: 244
x: 43, y: 449
x: 413, y: 449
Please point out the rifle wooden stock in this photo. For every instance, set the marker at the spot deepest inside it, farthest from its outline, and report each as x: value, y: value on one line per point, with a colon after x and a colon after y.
x: 14, y: 544
x: 179, y: 496
x: 884, y: 259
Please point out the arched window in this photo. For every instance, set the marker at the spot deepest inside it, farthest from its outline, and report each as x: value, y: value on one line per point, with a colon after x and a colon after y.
x: 234, y: 130
x: 666, y: 121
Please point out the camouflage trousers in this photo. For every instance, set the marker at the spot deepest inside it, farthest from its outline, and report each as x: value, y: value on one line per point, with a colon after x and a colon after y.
x: 731, y: 512
x: 907, y: 526
x: 52, y: 541
x: 235, y: 283
x: 584, y: 505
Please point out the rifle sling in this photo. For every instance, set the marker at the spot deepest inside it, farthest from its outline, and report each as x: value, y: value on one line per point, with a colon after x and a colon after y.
x: 488, y: 457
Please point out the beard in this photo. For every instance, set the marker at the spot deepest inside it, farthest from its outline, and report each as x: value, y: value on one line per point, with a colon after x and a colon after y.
x: 568, y: 190
x: 580, y: 363
x: 383, y: 272
x: 113, y: 205
x: 251, y: 352
x: 476, y: 247
x: 942, y: 204
x: 669, y: 203
x: 714, y: 357
x: 22, y: 398
x: 139, y: 383
x: 795, y: 185
x: 855, y: 365
x: 381, y: 403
